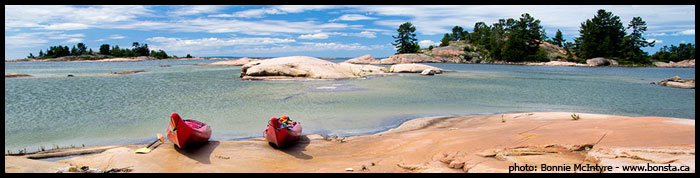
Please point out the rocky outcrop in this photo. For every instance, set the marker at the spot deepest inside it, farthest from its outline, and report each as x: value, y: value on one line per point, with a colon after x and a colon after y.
x: 552, y: 50
x: 599, y: 61
x: 366, y: 59
x: 364, y: 70
x: 294, y: 67
x: 447, y: 51
x: 10, y: 75
x: 428, y: 72
x: 683, y: 63
x: 235, y: 62
x: 127, y: 72
x: 408, y: 58
x: 413, y: 68
x: 555, y: 63
x: 677, y: 82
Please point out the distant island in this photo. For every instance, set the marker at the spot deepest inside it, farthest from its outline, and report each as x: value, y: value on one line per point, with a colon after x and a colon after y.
x: 80, y: 52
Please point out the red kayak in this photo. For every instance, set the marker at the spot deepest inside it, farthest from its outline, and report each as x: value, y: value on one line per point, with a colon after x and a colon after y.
x: 276, y: 132
x: 185, y: 132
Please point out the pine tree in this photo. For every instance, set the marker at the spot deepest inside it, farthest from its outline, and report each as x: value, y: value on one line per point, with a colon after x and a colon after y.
x: 601, y: 36
x: 445, y: 40
x: 559, y: 39
x: 634, y: 42
x: 406, y: 41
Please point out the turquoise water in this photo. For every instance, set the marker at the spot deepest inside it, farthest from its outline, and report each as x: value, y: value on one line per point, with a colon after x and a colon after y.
x: 94, y: 108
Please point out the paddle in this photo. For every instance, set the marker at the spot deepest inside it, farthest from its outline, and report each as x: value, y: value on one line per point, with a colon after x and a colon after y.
x: 147, y: 149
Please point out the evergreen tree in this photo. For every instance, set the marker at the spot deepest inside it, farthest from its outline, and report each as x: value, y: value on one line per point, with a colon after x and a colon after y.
x: 116, y: 52
x: 82, y: 49
x: 74, y: 51
x: 189, y: 56
x: 104, y: 49
x: 445, y: 40
x: 559, y: 39
x: 634, y: 42
x: 406, y: 41
x: 601, y: 36
x: 524, y: 38
x: 457, y: 33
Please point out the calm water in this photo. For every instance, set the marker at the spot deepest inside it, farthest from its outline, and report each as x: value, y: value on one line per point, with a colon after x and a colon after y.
x: 97, y: 109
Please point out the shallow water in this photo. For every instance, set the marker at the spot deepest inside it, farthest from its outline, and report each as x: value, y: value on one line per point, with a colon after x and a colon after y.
x: 94, y: 108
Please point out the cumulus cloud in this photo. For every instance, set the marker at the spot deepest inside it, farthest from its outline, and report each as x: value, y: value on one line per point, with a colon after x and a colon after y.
x: 285, y: 9
x: 25, y: 40
x: 195, y: 10
x: 655, y: 40
x: 314, y: 36
x: 73, y: 40
x: 311, y: 47
x: 353, y: 17
x: 426, y: 43
x: 191, y: 45
x: 67, y: 26
x: 686, y: 32
x: 116, y: 37
x: 325, y: 35
x: 69, y: 17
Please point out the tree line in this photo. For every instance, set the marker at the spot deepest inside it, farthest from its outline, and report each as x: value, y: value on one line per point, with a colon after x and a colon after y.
x: 137, y: 49
x: 518, y: 40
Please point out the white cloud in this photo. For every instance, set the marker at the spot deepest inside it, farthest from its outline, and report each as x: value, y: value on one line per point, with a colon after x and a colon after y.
x: 195, y: 10
x: 367, y: 34
x: 25, y: 40
x: 353, y: 17
x: 191, y: 45
x: 39, y: 39
x: 426, y: 43
x: 685, y: 32
x: 60, y: 36
x: 310, y: 47
x: 658, y: 34
x: 258, y: 13
x: 116, y: 36
x: 54, y: 17
x: 314, y: 36
x: 67, y: 26
x: 325, y: 35
x: 262, y: 27
x: 73, y: 40
x: 655, y: 40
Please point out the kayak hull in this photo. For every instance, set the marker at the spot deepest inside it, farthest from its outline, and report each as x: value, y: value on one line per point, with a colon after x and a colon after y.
x: 282, y: 136
x: 186, y: 132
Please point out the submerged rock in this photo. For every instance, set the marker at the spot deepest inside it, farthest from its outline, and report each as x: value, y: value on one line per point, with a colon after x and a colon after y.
x: 127, y: 72
x: 8, y: 74
x: 428, y: 72
x: 235, y: 62
x: 413, y: 68
x: 677, y: 82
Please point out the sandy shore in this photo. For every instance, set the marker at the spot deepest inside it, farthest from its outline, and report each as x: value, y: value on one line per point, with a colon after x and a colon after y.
x: 480, y: 143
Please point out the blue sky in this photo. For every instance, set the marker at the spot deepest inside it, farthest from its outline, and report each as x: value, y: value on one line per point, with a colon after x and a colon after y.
x: 319, y: 31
